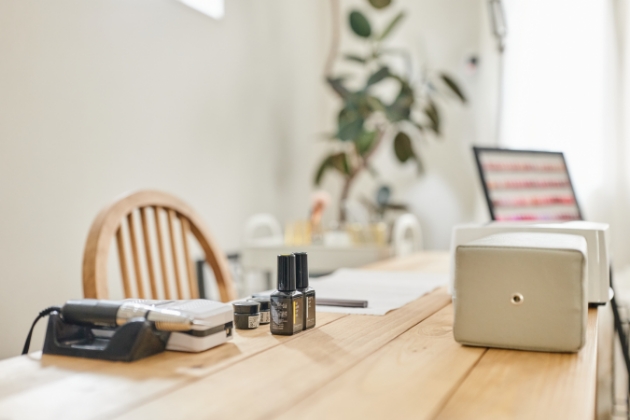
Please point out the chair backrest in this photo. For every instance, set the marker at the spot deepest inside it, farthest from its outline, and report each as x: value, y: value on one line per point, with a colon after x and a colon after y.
x: 152, y: 250
x: 406, y: 235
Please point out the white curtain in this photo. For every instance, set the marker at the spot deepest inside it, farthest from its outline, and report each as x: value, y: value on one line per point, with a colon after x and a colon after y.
x: 563, y: 89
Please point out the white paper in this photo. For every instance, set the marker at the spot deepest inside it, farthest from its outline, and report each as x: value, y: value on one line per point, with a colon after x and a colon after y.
x: 384, y: 290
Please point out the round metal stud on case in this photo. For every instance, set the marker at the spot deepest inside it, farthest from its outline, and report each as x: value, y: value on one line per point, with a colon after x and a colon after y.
x: 517, y: 299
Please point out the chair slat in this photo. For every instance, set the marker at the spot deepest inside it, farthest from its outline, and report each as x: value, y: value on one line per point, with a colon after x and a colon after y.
x: 160, y: 239
x: 190, y: 270
x: 148, y: 252
x: 171, y: 230
x: 119, y: 219
x: 135, y: 254
x: 122, y: 259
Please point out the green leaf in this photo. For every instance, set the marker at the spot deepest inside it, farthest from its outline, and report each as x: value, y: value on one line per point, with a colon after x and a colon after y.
x: 453, y: 86
x: 339, y: 161
x: 383, y: 195
x: 431, y: 111
x: 352, y: 57
x: 403, y: 148
x: 380, y: 4
x: 375, y: 104
x: 400, y: 109
x: 391, y: 26
x: 379, y: 75
x: 359, y: 24
x: 404, y: 151
x: 321, y: 170
x: 350, y: 123
x: 338, y: 87
x: 365, y: 141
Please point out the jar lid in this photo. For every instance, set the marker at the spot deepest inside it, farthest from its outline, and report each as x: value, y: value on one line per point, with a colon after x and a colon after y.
x: 265, y: 302
x: 246, y: 307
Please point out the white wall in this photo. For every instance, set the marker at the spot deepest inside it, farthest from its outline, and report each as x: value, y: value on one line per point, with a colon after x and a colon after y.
x: 104, y: 96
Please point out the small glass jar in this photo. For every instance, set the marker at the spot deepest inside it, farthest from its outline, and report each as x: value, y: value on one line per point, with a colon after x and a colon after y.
x: 246, y: 314
x: 265, y: 308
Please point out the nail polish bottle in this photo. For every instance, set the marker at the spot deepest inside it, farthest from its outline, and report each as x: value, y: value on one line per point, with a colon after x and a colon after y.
x: 287, y: 309
x: 301, y: 280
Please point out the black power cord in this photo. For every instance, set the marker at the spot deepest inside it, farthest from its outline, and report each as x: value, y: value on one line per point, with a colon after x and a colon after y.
x: 42, y: 314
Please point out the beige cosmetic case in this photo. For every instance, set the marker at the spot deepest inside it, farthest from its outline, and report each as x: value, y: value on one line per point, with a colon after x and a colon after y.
x: 525, y: 291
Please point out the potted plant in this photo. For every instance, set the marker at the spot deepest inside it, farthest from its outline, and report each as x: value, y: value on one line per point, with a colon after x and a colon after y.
x: 365, y: 121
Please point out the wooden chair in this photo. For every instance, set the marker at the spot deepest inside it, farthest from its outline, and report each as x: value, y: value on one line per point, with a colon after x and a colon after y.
x: 120, y: 220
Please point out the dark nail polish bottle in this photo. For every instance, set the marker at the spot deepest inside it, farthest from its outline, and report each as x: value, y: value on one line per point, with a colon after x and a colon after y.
x: 286, y: 303
x: 301, y: 275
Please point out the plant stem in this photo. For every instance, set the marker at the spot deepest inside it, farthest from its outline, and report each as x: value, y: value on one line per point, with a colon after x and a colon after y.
x: 344, y: 197
x: 363, y: 164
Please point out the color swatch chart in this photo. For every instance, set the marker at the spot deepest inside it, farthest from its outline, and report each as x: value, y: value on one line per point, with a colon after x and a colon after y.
x: 528, y: 186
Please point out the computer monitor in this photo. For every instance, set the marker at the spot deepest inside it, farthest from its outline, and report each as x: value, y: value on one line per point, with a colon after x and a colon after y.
x: 526, y: 185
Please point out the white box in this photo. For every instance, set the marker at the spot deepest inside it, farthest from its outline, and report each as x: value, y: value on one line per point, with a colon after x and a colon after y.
x: 218, y: 316
x: 596, y: 235
x: 523, y: 291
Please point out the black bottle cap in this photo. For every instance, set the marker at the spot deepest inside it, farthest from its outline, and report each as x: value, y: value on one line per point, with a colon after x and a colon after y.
x: 264, y: 300
x: 246, y: 307
x: 286, y: 273
x: 301, y: 270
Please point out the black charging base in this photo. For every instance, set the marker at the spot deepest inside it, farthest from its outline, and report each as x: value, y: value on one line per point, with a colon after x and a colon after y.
x: 134, y: 340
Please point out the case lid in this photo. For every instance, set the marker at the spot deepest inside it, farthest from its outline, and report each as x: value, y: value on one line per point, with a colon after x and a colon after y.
x: 211, y: 312
x: 246, y: 307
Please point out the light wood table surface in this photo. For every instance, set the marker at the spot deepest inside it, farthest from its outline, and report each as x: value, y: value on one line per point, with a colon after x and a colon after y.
x: 401, y: 365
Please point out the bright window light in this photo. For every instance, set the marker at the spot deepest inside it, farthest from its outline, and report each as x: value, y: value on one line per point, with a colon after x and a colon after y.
x: 554, y: 83
x: 213, y: 8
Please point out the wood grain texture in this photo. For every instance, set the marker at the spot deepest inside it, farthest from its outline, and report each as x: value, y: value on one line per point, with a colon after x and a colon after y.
x: 135, y: 253
x: 274, y: 380
x: 71, y: 388
x: 148, y: 253
x: 508, y: 384
x: 188, y: 262
x: 401, y: 365
x: 122, y: 261
x: 109, y: 219
x: 409, y: 378
x: 170, y: 217
x: 162, y: 253
x: 605, y: 363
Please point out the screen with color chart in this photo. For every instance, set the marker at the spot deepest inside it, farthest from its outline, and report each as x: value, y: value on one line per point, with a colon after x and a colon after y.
x: 526, y: 185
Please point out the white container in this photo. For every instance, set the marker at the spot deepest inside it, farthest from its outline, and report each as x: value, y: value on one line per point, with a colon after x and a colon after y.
x: 523, y: 291
x: 597, y: 238
x: 217, y: 316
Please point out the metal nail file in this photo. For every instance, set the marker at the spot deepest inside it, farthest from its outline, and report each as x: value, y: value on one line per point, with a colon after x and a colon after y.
x: 347, y: 303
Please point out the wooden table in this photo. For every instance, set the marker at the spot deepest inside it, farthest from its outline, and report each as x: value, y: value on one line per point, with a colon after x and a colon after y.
x: 401, y: 365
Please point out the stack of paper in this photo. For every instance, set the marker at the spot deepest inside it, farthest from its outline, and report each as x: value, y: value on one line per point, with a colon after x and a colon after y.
x: 384, y: 290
